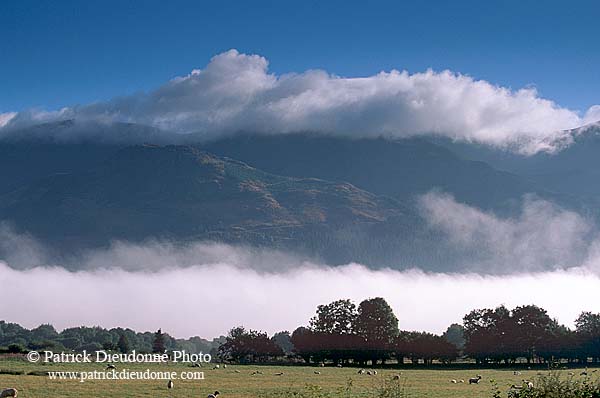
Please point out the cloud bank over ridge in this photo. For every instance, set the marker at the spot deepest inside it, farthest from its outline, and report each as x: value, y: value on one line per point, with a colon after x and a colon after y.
x: 236, y: 92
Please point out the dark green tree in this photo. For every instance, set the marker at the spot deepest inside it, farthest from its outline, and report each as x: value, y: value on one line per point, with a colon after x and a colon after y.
x: 455, y: 334
x: 158, y: 345
x: 376, y: 321
x: 337, y: 317
x: 123, y: 344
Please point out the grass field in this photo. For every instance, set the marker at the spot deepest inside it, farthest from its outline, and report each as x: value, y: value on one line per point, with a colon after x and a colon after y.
x: 296, y: 381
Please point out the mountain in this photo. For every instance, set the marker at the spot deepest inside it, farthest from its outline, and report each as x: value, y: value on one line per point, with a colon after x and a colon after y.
x: 183, y: 193
x: 572, y: 172
x: 75, y: 186
x: 32, y: 153
x: 403, y: 169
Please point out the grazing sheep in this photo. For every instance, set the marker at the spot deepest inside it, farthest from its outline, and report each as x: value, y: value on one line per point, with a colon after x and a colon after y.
x: 453, y: 381
x: 461, y: 381
x: 374, y: 373
x: 224, y: 366
x: 396, y: 377
x: 111, y: 366
x: 279, y: 374
x: 339, y: 365
x: 516, y: 373
x: 528, y: 383
x: 170, y: 384
x: 256, y: 372
x: 216, y: 367
x: 369, y: 372
x: 361, y: 372
x: 317, y: 372
x: 9, y: 392
x: 237, y: 371
x: 213, y: 395
x: 322, y: 365
x: 475, y: 380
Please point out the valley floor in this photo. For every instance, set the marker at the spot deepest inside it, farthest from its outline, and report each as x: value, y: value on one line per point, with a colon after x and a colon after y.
x: 243, y: 382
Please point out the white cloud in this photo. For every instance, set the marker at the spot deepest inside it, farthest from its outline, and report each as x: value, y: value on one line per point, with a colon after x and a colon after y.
x: 543, y: 236
x: 206, y: 288
x: 6, y: 117
x: 210, y: 298
x: 236, y: 92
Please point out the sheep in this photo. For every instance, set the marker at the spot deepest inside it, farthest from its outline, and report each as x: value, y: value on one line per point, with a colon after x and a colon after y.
x: 213, y: 395
x: 584, y: 373
x: 528, y: 383
x: 216, y: 367
x: 339, y: 365
x: 224, y: 366
x: 461, y: 381
x: 361, y: 372
x: 475, y: 380
x: 374, y: 373
x: 279, y: 374
x: 317, y: 372
x: 110, y: 366
x: 237, y: 371
x: 256, y: 372
x: 170, y: 384
x: 516, y: 373
x: 571, y: 373
x: 369, y: 372
x: 322, y: 365
x: 9, y: 392
x: 453, y: 381
x: 396, y: 377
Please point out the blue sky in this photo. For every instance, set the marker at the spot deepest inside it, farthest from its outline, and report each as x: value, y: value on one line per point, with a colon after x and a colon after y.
x: 60, y: 53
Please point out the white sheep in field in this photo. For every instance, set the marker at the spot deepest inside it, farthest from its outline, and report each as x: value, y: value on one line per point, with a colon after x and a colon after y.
x: 279, y: 374
x: 396, y: 377
x: 461, y: 381
x: 516, y: 373
x: 9, y: 392
x: 361, y: 372
x: 453, y: 381
x: 170, y: 384
x: 374, y: 373
x: 213, y: 395
x: 216, y: 367
x: 475, y: 380
x: 317, y: 372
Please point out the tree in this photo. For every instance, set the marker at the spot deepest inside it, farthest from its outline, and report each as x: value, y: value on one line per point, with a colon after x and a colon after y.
x: 377, y: 325
x: 588, y: 330
x: 376, y: 322
x: 158, y: 345
x: 123, y: 344
x: 243, y: 345
x: 337, y: 317
x: 44, y: 332
x: 532, y: 325
x: 283, y: 341
x: 455, y: 335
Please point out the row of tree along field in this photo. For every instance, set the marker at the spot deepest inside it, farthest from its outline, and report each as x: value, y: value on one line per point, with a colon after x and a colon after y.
x: 341, y: 332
